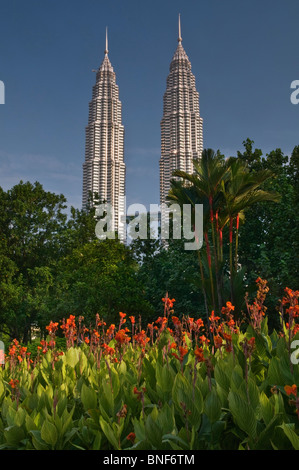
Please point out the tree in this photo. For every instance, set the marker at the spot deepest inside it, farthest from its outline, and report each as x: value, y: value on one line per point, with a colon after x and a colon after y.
x: 31, y: 222
x: 226, y: 189
x: 269, y: 240
x: 97, y: 277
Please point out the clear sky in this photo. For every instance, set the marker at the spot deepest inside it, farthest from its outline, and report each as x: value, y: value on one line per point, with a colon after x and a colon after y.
x: 244, y: 55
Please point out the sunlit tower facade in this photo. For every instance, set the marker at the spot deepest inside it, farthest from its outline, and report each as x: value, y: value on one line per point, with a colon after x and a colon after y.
x: 104, y: 169
x: 181, y: 124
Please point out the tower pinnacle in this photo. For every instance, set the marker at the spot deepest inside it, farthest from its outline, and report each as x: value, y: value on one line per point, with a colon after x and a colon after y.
x: 180, y: 37
x: 106, y: 49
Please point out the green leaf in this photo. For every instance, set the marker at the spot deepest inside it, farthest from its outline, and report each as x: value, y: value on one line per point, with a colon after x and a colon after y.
x: 221, y: 377
x: 30, y: 424
x: 243, y: 414
x: 291, y: 434
x: 38, y: 443
x: 212, y: 406
x: 49, y: 433
x: 13, y: 435
x: 88, y: 398
x: 153, y: 432
x: 164, y: 379
x: 188, y: 401
x: 109, y: 433
x: 174, y: 441
x: 72, y: 356
x: 264, y: 438
x: 267, y: 409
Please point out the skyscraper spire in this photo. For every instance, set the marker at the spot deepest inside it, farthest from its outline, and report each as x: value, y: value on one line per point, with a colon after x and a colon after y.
x: 106, y: 50
x: 181, y: 124
x: 180, y: 36
x: 104, y: 167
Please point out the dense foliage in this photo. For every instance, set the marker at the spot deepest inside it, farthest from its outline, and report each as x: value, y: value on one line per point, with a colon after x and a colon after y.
x: 220, y: 373
x: 167, y: 388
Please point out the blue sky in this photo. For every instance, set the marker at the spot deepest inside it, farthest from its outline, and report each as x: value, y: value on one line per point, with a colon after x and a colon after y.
x: 244, y: 55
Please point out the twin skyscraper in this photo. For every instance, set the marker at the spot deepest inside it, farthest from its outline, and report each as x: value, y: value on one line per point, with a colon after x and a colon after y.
x: 181, y: 132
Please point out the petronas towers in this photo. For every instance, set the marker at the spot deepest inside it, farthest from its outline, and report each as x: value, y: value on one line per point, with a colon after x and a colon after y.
x: 104, y: 167
x: 181, y: 124
x: 181, y: 132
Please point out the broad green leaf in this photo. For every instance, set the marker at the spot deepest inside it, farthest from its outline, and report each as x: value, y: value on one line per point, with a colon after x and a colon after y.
x: 88, y: 397
x: 153, y: 432
x: 243, y: 414
x: 109, y: 433
x: 221, y: 377
x: 49, y: 433
x: 38, y: 443
x: 13, y: 435
x: 267, y: 409
x: 72, y: 356
x: 291, y: 434
x: 212, y: 406
x: 188, y: 400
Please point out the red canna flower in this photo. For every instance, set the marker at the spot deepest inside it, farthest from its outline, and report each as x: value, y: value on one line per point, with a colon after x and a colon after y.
x: 140, y: 393
x: 204, y: 340
x: 291, y: 390
x: 198, y: 352
x: 176, y: 321
x: 217, y: 341
x: 13, y: 383
x: 121, y: 337
x: 131, y: 437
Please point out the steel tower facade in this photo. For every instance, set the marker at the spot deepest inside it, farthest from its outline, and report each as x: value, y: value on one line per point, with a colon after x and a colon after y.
x: 104, y: 168
x: 181, y: 124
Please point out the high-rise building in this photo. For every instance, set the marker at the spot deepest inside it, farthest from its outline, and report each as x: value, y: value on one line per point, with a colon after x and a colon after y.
x: 104, y: 167
x: 181, y: 125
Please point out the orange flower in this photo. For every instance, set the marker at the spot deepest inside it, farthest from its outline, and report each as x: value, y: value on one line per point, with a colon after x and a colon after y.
x: 291, y: 390
x: 139, y: 393
x: 110, y: 330
x: 141, y: 338
x: 213, y: 317
x: 204, y: 340
x: 52, y: 327
x: 13, y: 383
x: 168, y: 302
x: 183, y: 351
x: 199, y: 354
x: 121, y: 337
x: 218, y: 341
x: 199, y: 323
x: 131, y: 437
x: 132, y: 319
x: 108, y: 350
x: 176, y: 321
